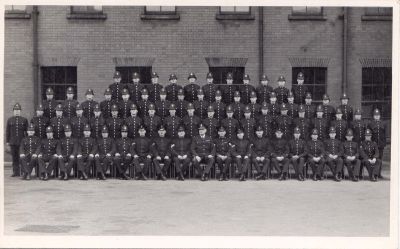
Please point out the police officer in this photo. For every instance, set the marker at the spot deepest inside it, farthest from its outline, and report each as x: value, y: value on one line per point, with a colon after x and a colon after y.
x: 69, y: 104
x: 285, y: 122
x: 281, y: 91
x: 47, y: 154
x: 40, y: 122
x: 211, y: 123
x: 320, y: 123
x: 172, y: 88
x: 340, y: 125
x: 203, y: 150
x: 378, y: 128
x: 87, y: 149
x: 369, y: 152
x: 200, y: 105
x: 228, y: 90
x: 241, y: 152
x: 248, y: 124
x: 58, y: 122
x: 219, y: 106
x: 172, y: 122
x: 329, y: 111
x: 298, y: 152
x: 210, y: 88
x: 222, y: 150
x: 280, y: 154
x: 96, y: 122
x: 358, y: 125
x: 78, y: 122
x: 49, y: 104
x: 266, y: 121
x: 347, y: 110
x: 260, y: 154
x: 89, y: 104
x: 117, y: 86
x: 161, y: 154
x: 114, y: 123
x: 133, y: 122
x: 303, y: 124
x: 124, y: 104
x: 155, y: 88
x: 28, y: 152
x: 333, y: 154
x: 141, y: 151
x: 181, y: 104
x: 230, y: 124
x: 162, y: 105
x: 191, y: 122
x: 273, y: 106
x: 67, y: 150
x: 264, y: 90
x: 144, y: 104
x: 106, y: 104
x: 105, y: 151
x: 180, y: 149
x: 238, y: 106
x: 316, y: 151
x: 15, y: 132
x: 293, y: 109
x: 299, y: 90
x: 310, y: 109
x: 246, y: 89
x: 123, y: 153
x: 351, y: 156
x: 135, y: 88
x: 254, y: 106
x: 152, y: 122
x: 191, y: 88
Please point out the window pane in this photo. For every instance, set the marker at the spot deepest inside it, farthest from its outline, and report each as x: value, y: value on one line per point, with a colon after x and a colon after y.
x: 227, y: 9
x: 243, y: 9
x: 21, y: 8
x: 48, y: 75
x: 299, y: 10
x: 127, y: 72
x: 168, y: 8
x: 314, y: 10
x: 98, y: 8
x: 367, y: 93
x: 378, y: 77
x: 79, y: 8
x: 56, y: 78
x: 71, y: 75
x: 367, y: 76
x: 153, y: 8
x: 8, y: 7
x: 385, y: 11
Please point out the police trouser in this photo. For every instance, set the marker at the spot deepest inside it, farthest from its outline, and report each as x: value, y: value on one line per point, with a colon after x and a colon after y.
x: 102, y: 162
x: 298, y: 165
x: 52, y: 160
x: 122, y: 163
x: 27, y: 163
x: 157, y: 164
x: 353, y: 167
x: 181, y: 165
x: 336, y: 165
x: 146, y: 164
x: 84, y: 162
x: 261, y: 166
x: 242, y: 164
x: 224, y: 164
x: 203, y: 159
x: 62, y: 164
x: 14, y: 149
x: 317, y: 167
x: 380, y: 157
x: 373, y: 169
x: 284, y: 162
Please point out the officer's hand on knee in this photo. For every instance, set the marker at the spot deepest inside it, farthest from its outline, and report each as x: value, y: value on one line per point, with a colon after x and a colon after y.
x: 96, y: 155
x: 22, y: 155
x: 72, y: 156
x: 91, y: 155
x: 129, y: 155
x: 135, y: 156
x: 34, y: 155
x: 166, y: 157
x: 79, y: 156
x: 238, y: 156
x: 117, y: 154
x: 60, y: 156
x: 108, y: 155
x: 198, y: 158
x: 158, y: 158
x: 148, y: 156
x: 245, y: 157
x: 210, y: 156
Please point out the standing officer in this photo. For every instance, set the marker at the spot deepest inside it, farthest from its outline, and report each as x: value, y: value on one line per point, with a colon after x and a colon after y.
x: 104, y: 156
x: 228, y: 90
x: 329, y: 111
x: 370, y: 156
x: 248, y: 124
x: 172, y: 88
x: 254, y: 106
x: 280, y: 154
x: 222, y: 150
x: 340, y: 125
x: 298, y: 152
x: 211, y: 123
x: 191, y: 88
x: 40, y: 122
x: 378, y: 128
x: 152, y: 122
x: 67, y: 150
x: 219, y: 106
x: 241, y: 152
x: 114, y: 123
x: 260, y: 154
x: 162, y: 105
x: 172, y: 122
x: 191, y: 122
x: 210, y: 88
x: 47, y: 154
x: 89, y: 104
x: 123, y: 154
x: 87, y: 150
x: 347, y: 110
x: 58, y: 122
x: 264, y: 90
x: 154, y: 89
x: 181, y: 104
x: 316, y: 151
x: 273, y: 106
x: 333, y: 154
x: 285, y: 123
x: 200, y: 105
x: 116, y: 87
x: 281, y: 91
x: 15, y: 132
x: 141, y: 151
x: 358, y: 125
x: 293, y: 109
x: 303, y: 124
x: 230, y: 124
x: 49, y: 104
x: 246, y: 89
x: 106, y: 104
x: 203, y: 150
x: 238, y: 107
x: 320, y: 123
x: 124, y: 104
x: 309, y: 107
x: 28, y: 152
x: 299, y: 90
x: 161, y: 154
x: 180, y: 149
x: 133, y: 122
x: 266, y: 121
x: 78, y: 122
x: 69, y: 104
x: 96, y: 122
x: 144, y: 104
x: 351, y: 156
x: 135, y: 89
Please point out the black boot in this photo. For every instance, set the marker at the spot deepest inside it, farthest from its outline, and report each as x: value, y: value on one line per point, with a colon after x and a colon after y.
x: 355, y: 179
x: 203, y: 177
x: 28, y: 177
x: 221, y: 177
x: 260, y: 177
x: 336, y: 178
x: 142, y: 176
x: 163, y: 177
x: 180, y: 176
x: 66, y: 176
x: 85, y: 177
x: 314, y: 177
x: 46, y: 177
x: 102, y: 176
x: 282, y: 177
x: 241, y: 178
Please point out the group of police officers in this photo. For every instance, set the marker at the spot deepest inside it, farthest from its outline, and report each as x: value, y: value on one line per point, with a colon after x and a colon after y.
x: 138, y: 126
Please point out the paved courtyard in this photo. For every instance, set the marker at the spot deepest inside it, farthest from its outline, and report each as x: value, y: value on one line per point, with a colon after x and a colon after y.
x: 192, y: 207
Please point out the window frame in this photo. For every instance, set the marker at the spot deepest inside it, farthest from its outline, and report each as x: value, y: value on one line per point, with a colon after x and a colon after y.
x: 313, y: 85
x: 44, y: 85
x: 298, y: 16
x: 131, y: 70
x: 160, y: 15
x: 235, y: 15
x: 161, y: 12
x: 234, y: 12
x: 88, y: 14
x: 238, y: 73
x: 321, y: 13
x: 17, y: 14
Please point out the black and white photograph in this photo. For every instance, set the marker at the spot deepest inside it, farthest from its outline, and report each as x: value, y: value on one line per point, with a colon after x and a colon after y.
x: 200, y: 120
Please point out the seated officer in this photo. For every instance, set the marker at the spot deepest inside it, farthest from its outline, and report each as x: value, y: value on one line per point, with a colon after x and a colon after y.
x: 238, y: 107
x: 351, y: 156
x: 241, y: 152
x: 200, y: 105
x: 152, y: 122
x: 333, y: 154
x: 124, y: 104
x: 181, y: 104
x: 114, y: 123
x: 266, y: 121
x: 141, y: 151
x: 280, y: 154
x: 78, y: 122
x: 219, y: 106
x: 298, y: 153
x: 28, y: 152
x: 230, y: 124
x: 340, y: 125
x: 162, y: 105
x: 222, y: 149
x: 347, y: 110
x: 191, y: 122
x: 161, y: 154
x: 281, y: 91
x: 172, y: 122
x: 191, y: 88
x: 263, y: 90
x: 203, y: 151
x: 316, y: 151
x: 87, y: 150
x: 89, y: 104
x: 104, y: 156
x: 210, y: 88
x: 260, y: 154
x: 180, y: 149
x: 123, y: 155
x: 47, y: 154
x: 370, y: 156
x: 172, y: 88
x: 67, y: 150
x: 133, y: 122
x: 211, y: 123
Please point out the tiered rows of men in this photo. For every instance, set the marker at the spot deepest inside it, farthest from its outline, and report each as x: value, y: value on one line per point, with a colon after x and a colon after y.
x: 138, y: 125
